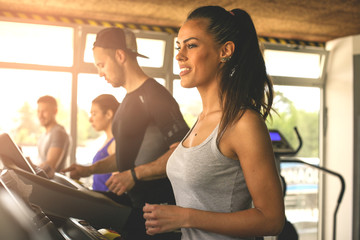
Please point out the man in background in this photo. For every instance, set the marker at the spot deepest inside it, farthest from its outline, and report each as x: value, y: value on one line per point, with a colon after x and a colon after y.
x: 53, y: 145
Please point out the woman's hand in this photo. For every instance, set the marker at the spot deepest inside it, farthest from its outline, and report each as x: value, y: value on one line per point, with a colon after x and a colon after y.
x: 164, y: 218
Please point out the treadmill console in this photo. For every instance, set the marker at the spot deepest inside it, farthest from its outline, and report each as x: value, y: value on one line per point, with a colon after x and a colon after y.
x: 30, y: 220
x: 280, y: 145
x: 61, y: 196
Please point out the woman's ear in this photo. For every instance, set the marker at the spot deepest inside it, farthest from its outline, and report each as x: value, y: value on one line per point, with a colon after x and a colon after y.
x: 109, y: 114
x: 227, y: 51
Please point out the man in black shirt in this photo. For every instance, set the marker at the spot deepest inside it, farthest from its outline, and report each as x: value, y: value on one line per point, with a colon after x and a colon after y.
x: 146, y: 125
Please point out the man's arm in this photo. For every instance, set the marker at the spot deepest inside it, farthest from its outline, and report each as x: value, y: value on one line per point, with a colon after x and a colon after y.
x: 105, y: 165
x: 57, y: 147
x: 121, y: 182
x: 53, y: 159
x: 155, y: 169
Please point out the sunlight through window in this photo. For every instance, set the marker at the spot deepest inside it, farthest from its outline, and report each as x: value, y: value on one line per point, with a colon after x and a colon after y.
x: 36, y: 44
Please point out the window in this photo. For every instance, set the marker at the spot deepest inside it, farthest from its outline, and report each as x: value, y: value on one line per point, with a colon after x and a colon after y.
x: 36, y: 44
x: 176, y: 68
x: 154, y: 49
x: 293, y: 64
x: 19, y: 94
x: 23, y: 43
x: 189, y: 101
x: 88, y: 53
x: 300, y: 107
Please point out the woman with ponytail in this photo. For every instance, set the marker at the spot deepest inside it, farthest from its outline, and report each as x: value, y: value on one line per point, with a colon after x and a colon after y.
x: 223, y: 173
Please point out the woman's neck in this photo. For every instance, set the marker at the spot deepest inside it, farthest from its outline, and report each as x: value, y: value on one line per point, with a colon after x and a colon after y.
x: 210, y: 105
x: 210, y: 98
x: 108, y: 133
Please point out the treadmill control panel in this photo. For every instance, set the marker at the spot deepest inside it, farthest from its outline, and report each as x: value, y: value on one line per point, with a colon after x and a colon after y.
x: 279, y: 143
x: 81, y: 229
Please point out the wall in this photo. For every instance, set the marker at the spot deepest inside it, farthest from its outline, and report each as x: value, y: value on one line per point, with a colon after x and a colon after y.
x: 356, y: 203
x: 339, y: 136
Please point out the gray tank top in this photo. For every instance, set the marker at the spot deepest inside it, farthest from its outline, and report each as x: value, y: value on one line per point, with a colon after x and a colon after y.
x: 203, y: 178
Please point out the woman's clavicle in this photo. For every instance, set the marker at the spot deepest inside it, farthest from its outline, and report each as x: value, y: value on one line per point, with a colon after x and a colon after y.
x: 202, y: 129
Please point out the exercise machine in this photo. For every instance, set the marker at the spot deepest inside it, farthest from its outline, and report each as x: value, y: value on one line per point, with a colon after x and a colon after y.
x: 75, y: 211
x: 284, y: 153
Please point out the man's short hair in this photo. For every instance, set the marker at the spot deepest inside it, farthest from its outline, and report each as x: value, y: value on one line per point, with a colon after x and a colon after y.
x: 48, y: 99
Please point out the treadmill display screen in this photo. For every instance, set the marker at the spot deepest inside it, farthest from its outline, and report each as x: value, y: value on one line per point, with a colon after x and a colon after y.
x: 275, y: 136
x: 11, y: 154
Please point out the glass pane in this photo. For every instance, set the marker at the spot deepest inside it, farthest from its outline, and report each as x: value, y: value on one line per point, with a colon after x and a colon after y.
x: 299, y: 107
x: 301, y: 199
x: 36, y: 44
x: 189, y: 101
x: 88, y: 54
x: 161, y: 81
x: 292, y: 64
x: 176, y: 68
x: 152, y: 48
x: 19, y: 92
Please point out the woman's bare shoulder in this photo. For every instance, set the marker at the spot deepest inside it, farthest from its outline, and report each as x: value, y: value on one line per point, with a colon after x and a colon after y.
x: 248, y: 131
x: 250, y: 120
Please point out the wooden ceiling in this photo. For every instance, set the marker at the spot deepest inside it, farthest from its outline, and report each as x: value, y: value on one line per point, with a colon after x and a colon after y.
x: 306, y: 20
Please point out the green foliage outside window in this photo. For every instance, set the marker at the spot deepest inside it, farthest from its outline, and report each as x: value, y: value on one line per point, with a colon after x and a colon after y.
x: 287, y: 117
x: 28, y: 129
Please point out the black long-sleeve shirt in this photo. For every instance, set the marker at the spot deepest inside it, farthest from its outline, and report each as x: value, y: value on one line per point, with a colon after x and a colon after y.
x: 147, y: 122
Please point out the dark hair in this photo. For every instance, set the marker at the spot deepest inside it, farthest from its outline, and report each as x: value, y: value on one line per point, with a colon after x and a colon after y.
x: 244, y: 82
x: 106, y: 102
x: 48, y: 99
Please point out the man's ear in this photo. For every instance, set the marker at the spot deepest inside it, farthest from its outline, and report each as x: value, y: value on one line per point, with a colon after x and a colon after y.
x: 120, y: 55
x: 227, y: 50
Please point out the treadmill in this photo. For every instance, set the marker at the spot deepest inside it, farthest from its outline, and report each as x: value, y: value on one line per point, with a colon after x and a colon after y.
x: 60, y: 198
x: 285, y: 153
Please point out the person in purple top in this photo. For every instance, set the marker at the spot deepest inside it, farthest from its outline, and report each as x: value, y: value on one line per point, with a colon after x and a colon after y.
x: 102, y: 112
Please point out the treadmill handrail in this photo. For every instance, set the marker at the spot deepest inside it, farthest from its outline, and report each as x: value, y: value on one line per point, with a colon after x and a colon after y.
x: 292, y: 153
x: 300, y: 141
x: 342, y: 182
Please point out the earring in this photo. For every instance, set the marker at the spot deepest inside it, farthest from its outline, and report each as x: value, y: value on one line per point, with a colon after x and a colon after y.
x: 225, y: 59
x: 233, y: 71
